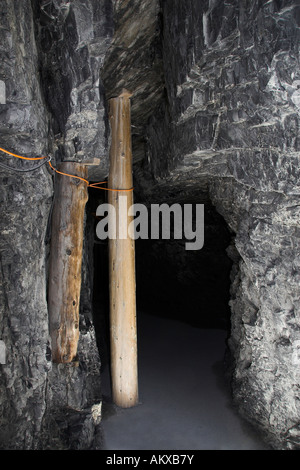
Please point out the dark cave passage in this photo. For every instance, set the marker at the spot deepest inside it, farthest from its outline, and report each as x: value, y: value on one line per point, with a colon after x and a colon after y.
x: 191, y: 286
x: 188, y: 285
x: 183, y: 323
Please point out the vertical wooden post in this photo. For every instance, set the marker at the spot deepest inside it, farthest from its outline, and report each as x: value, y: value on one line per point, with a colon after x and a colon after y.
x: 122, y: 259
x: 65, y: 261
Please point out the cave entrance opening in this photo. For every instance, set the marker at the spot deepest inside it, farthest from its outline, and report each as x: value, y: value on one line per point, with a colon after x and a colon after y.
x: 191, y: 287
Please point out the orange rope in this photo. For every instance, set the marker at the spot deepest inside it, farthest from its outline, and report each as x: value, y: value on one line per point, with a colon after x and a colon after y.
x: 19, y: 156
x: 90, y: 185
x: 67, y: 174
x: 94, y: 185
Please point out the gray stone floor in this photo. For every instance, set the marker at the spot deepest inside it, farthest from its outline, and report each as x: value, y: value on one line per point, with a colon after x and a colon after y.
x: 184, y: 401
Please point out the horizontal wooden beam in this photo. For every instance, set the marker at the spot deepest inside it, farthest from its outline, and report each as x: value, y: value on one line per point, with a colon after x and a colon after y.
x: 91, y: 162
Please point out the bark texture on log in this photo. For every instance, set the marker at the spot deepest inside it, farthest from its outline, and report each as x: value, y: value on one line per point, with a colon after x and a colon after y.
x: 65, y: 261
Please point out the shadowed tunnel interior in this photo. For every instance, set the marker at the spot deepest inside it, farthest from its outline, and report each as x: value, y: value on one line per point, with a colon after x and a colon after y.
x: 183, y: 320
x: 181, y: 284
x: 192, y: 286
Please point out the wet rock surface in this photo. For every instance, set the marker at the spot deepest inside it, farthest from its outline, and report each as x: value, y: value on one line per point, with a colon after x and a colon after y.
x: 231, y: 127
x: 50, y: 68
x: 73, y: 38
x: 134, y: 62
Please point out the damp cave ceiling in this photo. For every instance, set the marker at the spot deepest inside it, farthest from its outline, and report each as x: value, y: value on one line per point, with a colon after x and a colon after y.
x: 134, y: 62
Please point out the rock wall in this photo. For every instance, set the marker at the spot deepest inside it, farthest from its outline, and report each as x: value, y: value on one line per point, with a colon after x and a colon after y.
x: 231, y: 123
x: 217, y: 86
x: 73, y: 38
x: 51, y: 55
